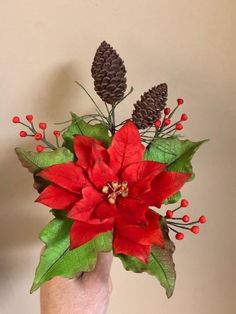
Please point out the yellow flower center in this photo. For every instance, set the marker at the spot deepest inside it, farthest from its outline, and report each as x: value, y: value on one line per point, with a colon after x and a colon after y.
x: 115, y: 189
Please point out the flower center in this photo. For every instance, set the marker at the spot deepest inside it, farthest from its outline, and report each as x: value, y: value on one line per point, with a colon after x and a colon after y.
x: 114, y: 189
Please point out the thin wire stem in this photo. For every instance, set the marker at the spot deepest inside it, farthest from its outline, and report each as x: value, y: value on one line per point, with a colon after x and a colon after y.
x: 85, y: 90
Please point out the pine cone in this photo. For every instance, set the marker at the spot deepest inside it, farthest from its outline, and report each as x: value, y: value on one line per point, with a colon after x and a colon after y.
x: 148, y: 109
x: 108, y: 71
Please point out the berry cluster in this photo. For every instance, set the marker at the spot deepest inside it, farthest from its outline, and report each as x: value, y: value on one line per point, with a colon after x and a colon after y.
x: 39, y: 135
x: 182, y: 222
x: 164, y: 126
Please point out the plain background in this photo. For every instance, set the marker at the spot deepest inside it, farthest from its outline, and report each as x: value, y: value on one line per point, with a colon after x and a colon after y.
x: 45, y: 46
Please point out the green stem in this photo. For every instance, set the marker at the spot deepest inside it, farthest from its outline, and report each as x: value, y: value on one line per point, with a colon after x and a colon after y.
x: 113, y: 123
x: 85, y: 90
x: 130, y: 91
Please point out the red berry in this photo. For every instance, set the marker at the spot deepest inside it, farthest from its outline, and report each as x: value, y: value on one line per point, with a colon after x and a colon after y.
x: 184, y: 203
x: 179, y: 236
x: 195, y: 229
x: 202, y: 219
x: 42, y: 125
x: 16, y: 119
x: 38, y: 136
x: 169, y: 214
x: 180, y: 101
x: 57, y: 133
x: 179, y: 126
x: 157, y: 124
x: 29, y: 117
x: 167, y: 121
x: 184, y: 117
x: 167, y: 111
x: 40, y: 148
x: 23, y: 134
x: 185, y: 218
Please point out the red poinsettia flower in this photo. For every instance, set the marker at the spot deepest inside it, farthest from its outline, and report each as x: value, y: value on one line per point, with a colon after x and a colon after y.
x: 112, y: 189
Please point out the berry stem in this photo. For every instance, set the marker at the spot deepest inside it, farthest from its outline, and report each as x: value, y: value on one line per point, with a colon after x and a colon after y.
x: 174, y: 210
x: 186, y: 224
x: 173, y: 111
x: 173, y: 229
x: 32, y: 129
x: 177, y: 225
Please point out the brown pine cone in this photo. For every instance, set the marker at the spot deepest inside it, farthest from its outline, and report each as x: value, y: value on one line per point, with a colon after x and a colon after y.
x: 108, y: 71
x: 148, y: 109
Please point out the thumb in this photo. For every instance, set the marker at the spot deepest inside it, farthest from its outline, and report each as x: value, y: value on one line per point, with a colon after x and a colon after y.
x: 102, y: 269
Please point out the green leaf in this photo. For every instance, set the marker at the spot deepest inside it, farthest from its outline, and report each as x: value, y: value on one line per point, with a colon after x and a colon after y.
x: 35, y: 162
x: 79, y: 126
x: 173, y: 199
x: 58, y: 260
x: 160, y: 263
x: 174, y: 152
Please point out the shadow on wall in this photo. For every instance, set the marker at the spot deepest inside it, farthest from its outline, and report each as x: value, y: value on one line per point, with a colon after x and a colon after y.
x: 21, y: 219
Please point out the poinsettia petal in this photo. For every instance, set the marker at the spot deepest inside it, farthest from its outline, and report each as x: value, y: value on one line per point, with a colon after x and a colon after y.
x: 126, y: 147
x: 82, y: 232
x: 105, y: 210
x: 83, y: 147
x: 69, y: 176
x: 125, y: 246
x: 154, y: 233
x: 131, y: 211
x: 56, y: 197
x: 83, y: 209
x: 101, y: 174
x: 139, y: 176
x: 165, y: 185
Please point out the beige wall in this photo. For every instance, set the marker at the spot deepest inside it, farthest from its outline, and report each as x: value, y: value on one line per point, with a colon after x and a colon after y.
x: 44, y: 46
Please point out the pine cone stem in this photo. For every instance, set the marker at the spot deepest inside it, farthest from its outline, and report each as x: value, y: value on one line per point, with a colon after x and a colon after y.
x: 113, y: 122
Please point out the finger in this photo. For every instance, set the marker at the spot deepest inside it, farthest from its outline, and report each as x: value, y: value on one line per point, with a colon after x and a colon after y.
x: 102, y: 269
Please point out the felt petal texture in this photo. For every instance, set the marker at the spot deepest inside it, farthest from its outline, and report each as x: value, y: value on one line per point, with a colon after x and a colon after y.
x: 105, y: 210
x: 83, y: 209
x: 126, y: 147
x: 165, y: 185
x: 154, y: 232
x: 82, y: 232
x: 56, y: 197
x: 101, y: 174
x: 139, y: 175
x: 68, y: 176
x: 131, y: 211
x: 125, y: 246
x: 83, y: 149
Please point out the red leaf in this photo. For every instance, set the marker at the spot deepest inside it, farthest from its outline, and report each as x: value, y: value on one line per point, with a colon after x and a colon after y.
x: 154, y: 232
x: 105, y: 210
x: 126, y: 147
x: 84, y: 146
x: 165, y: 185
x: 101, y: 174
x: 131, y: 211
x: 82, y: 232
x: 83, y: 209
x: 58, y: 198
x: 125, y: 246
x: 140, y: 175
x: 69, y: 176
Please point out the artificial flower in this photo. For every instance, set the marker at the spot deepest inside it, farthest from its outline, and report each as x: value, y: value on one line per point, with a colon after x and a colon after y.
x: 111, y: 190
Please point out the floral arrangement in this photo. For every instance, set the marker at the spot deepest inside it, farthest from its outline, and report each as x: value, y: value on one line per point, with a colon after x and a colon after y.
x: 107, y: 184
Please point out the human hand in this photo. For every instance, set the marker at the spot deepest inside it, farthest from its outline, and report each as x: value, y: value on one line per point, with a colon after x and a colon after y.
x: 87, y: 294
